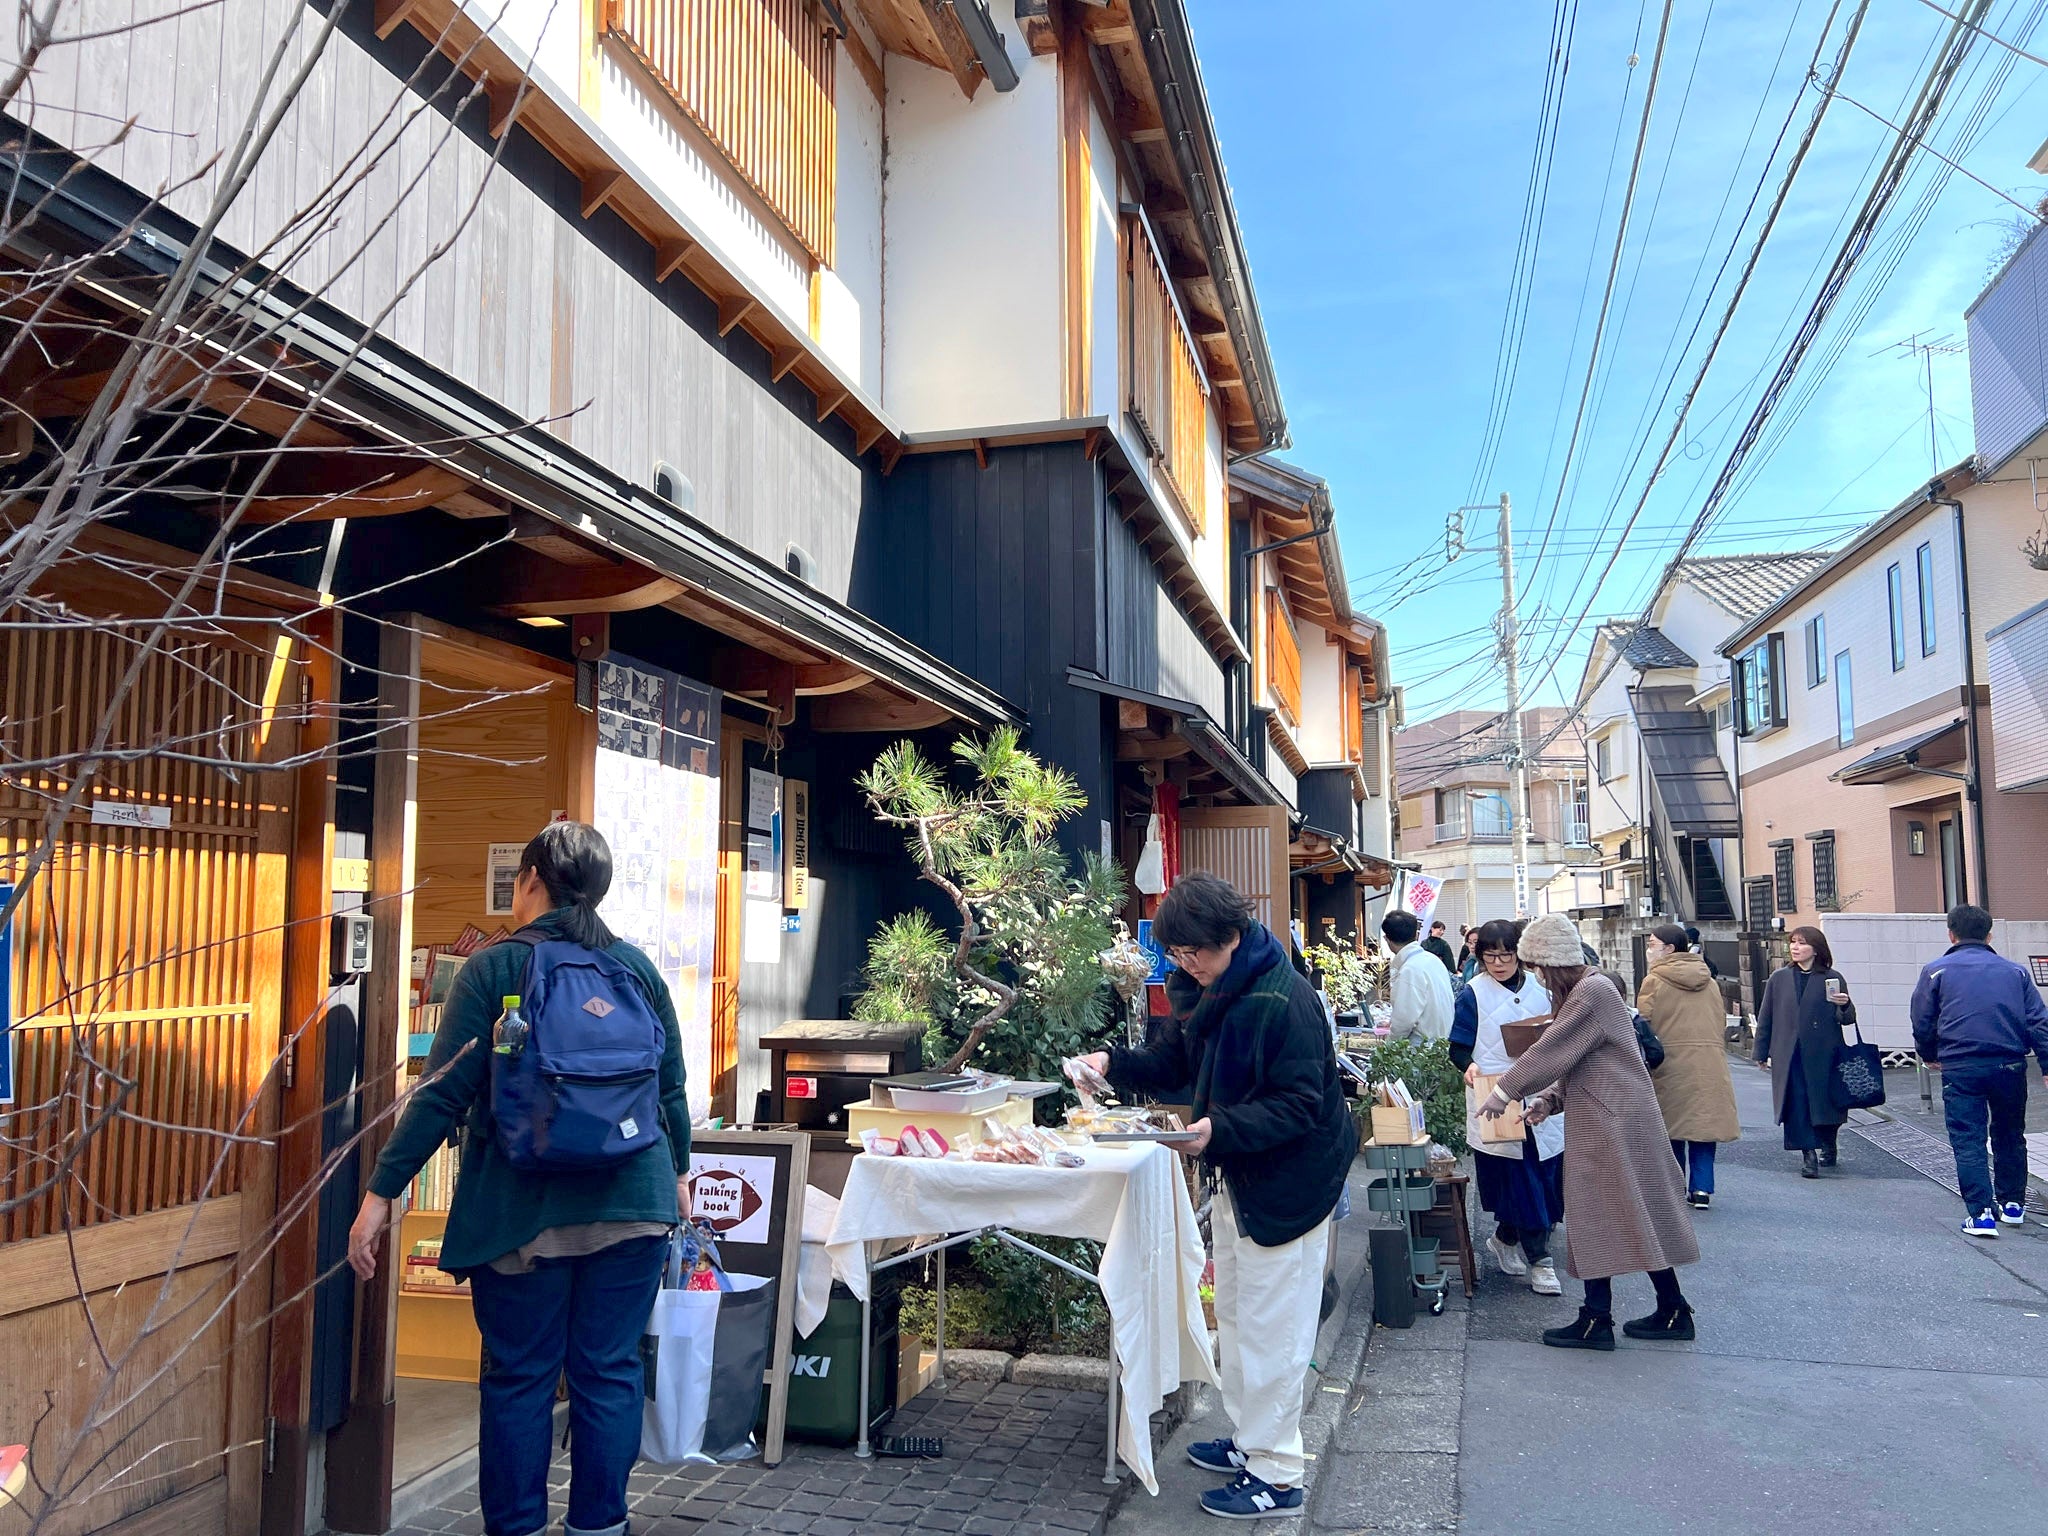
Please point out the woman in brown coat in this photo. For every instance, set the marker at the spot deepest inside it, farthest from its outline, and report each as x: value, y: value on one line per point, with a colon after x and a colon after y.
x: 1624, y: 1201
x: 1683, y: 1006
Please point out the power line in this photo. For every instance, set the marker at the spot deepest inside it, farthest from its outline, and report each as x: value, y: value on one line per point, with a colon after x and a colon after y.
x: 1932, y: 92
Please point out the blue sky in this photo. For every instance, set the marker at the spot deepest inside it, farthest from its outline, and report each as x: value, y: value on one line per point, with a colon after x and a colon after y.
x: 1379, y: 153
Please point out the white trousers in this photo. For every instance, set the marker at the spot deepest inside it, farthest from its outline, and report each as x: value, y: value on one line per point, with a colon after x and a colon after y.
x: 1269, y: 1305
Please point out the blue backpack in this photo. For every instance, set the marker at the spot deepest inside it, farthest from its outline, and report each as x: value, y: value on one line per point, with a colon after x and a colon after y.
x: 585, y: 1091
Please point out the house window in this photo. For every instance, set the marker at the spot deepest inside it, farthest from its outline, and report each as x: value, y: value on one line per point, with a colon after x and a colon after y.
x: 1895, y: 605
x: 1760, y: 687
x: 1816, y: 650
x: 1756, y: 903
x: 1724, y: 715
x: 1781, y: 876
x: 1490, y: 815
x: 1825, y: 896
x: 1845, y: 704
x: 1923, y: 561
x: 1603, y: 758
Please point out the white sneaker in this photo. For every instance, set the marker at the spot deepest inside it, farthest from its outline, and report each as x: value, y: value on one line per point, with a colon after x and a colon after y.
x: 1510, y: 1262
x: 1543, y: 1278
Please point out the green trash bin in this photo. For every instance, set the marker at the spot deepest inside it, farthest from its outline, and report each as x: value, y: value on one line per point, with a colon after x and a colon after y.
x: 824, y: 1373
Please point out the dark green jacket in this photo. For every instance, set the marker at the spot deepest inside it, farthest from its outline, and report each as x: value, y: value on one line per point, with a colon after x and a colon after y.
x: 497, y: 1207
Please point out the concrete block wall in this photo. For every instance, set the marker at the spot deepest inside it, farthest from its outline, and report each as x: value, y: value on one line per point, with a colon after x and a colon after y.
x: 1881, y: 953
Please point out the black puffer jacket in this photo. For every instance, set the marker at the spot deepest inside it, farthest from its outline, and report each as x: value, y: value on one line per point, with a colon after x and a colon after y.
x: 1252, y: 1053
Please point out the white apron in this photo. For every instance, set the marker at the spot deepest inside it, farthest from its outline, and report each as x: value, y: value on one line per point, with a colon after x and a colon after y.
x: 1498, y: 1006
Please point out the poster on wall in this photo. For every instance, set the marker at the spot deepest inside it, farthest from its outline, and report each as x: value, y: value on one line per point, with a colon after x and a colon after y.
x: 657, y: 805
x: 501, y: 875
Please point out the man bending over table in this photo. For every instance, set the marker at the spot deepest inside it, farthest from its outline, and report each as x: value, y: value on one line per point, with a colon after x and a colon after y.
x: 1248, y: 1048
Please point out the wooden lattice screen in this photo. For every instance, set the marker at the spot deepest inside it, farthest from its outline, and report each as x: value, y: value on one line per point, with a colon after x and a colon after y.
x: 1164, y: 387
x: 154, y: 950
x: 756, y: 76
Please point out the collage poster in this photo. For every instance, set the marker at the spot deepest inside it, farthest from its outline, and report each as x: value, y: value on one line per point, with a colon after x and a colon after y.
x: 657, y: 805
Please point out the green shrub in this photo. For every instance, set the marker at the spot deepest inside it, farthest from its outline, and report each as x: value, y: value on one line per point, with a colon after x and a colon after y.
x: 1426, y: 1067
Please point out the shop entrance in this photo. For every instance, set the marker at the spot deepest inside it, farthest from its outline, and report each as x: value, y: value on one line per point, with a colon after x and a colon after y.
x: 502, y: 749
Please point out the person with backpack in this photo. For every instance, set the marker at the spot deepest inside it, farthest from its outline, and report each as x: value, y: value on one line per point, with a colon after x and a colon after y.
x: 559, y: 1060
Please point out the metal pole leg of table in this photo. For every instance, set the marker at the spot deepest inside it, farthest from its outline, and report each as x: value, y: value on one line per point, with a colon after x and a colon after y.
x: 867, y: 1305
x: 1109, y: 1455
x: 939, y: 1344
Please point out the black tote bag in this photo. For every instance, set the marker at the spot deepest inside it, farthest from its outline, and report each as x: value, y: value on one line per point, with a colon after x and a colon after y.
x: 1858, y: 1075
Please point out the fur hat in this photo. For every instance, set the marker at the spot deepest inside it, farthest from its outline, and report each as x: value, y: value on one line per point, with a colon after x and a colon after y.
x: 1552, y: 940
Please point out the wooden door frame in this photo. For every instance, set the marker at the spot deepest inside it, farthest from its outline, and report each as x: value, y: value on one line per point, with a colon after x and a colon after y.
x: 734, y: 734
x: 360, y: 1451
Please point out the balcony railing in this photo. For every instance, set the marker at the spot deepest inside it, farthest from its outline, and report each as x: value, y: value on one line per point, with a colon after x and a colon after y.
x: 1283, y: 658
x: 1165, y: 389
x: 1450, y: 831
x: 1578, y: 832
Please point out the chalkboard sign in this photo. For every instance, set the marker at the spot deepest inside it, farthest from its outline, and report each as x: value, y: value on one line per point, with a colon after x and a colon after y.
x: 749, y: 1185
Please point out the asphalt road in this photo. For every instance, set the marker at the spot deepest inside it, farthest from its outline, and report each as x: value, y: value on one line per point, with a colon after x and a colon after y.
x: 1860, y: 1366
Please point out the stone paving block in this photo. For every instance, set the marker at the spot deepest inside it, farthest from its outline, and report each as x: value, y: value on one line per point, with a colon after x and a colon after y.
x: 1064, y: 1372
x: 1415, y: 1423
x: 1418, y: 1373
x: 977, y: 1365
x: 1399, y: 1491
x: 1428, y: 1333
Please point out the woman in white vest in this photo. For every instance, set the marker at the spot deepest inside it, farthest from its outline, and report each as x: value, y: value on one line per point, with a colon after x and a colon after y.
x: 1520, y: 1183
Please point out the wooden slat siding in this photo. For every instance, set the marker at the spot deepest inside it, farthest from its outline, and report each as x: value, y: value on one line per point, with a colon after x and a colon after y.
x: 1283, y: 657
x: 2018, y: 658
x: 757, y: 77
x: 1246, y: 845
x: 1354, y: 720
x: 1165, y: 390
x: 156, y: 927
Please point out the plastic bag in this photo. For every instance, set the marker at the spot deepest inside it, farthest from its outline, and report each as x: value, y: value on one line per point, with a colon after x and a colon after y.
x: 702, y: 1355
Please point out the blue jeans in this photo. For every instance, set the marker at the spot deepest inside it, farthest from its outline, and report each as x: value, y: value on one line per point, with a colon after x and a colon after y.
x: 1972, y: 1093
x: 584, y: 1316
x: 1696, y: 1162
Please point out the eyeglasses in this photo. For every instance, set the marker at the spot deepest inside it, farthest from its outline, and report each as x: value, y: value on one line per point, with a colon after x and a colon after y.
x: 1181, y: 954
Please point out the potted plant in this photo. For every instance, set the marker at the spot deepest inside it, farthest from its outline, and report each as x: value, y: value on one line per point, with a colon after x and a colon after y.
x: 1347, y: 981
x: 1433, y: 1078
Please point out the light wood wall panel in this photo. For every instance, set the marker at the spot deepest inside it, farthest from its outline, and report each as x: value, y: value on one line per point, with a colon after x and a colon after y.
x: 1165, y: 390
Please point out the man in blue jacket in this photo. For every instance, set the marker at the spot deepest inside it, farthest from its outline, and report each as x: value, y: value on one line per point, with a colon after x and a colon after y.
x: 1976, y: 1015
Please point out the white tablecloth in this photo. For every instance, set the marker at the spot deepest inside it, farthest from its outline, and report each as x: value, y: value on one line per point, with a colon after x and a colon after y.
x: 1131, y: 1199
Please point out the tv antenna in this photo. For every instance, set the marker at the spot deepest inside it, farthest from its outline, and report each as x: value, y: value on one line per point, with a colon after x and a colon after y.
x: 1916, y: 345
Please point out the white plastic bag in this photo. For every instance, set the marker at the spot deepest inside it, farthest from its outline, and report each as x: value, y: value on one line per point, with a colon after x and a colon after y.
x: 1150, y: 875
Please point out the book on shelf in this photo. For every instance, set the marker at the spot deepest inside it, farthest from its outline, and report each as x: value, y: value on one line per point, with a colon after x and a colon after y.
x: 423, y: 1270
x: 433, y: 1188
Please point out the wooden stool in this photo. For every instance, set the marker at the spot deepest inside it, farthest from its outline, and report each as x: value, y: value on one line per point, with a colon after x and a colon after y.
x: 1448, y: 1224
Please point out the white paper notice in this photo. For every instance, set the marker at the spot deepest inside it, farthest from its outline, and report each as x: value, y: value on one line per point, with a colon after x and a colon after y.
x: 118, y: 813
x: 764, y: 799
x: 501, y: 873
x: 761, y: 933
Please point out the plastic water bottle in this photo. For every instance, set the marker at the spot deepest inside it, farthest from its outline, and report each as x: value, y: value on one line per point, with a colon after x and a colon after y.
x: 508, y: 1035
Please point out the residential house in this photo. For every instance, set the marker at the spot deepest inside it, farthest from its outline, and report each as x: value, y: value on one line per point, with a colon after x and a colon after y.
x: 678, y: 414
x: 1657, y: 710
x: 1454, y: 807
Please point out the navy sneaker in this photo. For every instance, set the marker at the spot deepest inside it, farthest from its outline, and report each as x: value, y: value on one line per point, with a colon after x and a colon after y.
x: 2012, y: 1214
x: 1246, y: 1497
x: 1217, y: 1456
x: 1983, y: 1224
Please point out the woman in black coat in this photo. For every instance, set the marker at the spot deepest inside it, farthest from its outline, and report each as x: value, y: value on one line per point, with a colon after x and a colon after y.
x: 1798, y: 1035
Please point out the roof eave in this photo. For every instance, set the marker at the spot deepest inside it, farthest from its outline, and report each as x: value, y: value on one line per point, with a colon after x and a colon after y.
x: 1169, y: 48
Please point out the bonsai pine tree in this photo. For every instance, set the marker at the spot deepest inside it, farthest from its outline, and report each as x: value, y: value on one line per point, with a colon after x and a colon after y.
x: 1022, y: 982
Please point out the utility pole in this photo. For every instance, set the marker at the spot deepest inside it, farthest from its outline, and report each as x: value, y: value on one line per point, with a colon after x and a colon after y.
x: 1518, y: 762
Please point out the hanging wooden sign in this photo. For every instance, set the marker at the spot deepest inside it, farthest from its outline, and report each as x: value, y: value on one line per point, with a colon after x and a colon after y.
x: 796, y: 844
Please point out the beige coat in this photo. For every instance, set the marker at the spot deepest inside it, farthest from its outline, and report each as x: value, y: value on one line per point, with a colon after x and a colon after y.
x: 1624, y: 1200
x: 1694, y: 1090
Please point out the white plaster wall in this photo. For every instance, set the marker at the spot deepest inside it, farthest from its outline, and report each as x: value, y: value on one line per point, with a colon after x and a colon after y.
x: 974, y: 269
x: 1104, y: 323
x: 850, y: 292
x: 1322, y: 697
x: 545, y: 31
x: 1858, y: 622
